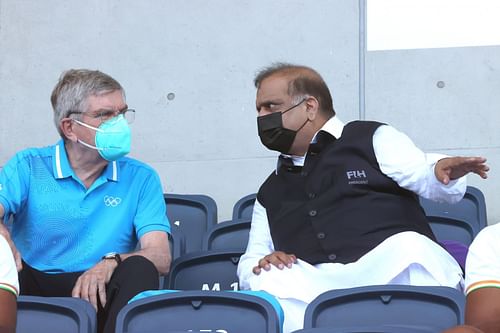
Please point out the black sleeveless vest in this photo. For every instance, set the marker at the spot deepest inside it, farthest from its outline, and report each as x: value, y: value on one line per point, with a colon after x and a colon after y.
x: 339, y: 206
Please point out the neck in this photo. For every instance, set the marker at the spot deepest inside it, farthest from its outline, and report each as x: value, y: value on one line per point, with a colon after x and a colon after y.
x: 87, y: 164
x: 304, y: 137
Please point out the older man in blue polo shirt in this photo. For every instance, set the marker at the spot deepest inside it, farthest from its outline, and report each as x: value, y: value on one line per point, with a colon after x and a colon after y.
x: 79, y: 207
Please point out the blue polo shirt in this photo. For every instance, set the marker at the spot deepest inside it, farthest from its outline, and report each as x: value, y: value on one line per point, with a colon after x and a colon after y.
x: 60, y: 226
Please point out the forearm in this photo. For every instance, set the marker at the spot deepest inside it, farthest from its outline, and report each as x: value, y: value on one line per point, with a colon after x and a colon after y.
x: 8, y: 307
x: 259, y: 245
x: 402, y: 161
x: 155, y: 247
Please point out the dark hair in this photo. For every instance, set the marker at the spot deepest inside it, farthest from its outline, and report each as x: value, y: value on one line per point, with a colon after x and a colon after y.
x: 302, y: 81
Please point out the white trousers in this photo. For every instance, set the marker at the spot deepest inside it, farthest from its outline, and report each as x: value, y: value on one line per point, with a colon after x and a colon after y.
x: 406, y: 258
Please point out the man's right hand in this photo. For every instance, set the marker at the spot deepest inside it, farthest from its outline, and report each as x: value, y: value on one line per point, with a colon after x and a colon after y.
x: 5, y: 233
x: 92, y: 283
x: 278, y: 259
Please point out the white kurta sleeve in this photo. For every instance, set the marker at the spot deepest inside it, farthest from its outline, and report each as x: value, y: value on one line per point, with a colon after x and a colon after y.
x: 411, y: 168
x: 259, y: 245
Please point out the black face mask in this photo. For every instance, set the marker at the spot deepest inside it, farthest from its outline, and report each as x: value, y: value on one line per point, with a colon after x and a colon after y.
x: 272, y: 133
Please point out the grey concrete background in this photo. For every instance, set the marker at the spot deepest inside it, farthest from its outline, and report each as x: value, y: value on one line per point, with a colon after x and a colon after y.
x: 187, y: 67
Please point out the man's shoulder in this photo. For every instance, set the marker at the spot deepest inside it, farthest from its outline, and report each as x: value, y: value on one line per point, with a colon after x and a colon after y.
x: 489, y: 234
x: 34, y: 152
x: 134, y: 165
x: 364, y: 123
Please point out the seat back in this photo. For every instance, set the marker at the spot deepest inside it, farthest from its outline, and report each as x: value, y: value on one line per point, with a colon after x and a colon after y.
x: 228, y: 235
x: 55, y: 314
x: 207, y: 270
x: 199, y: 311
x: 191, y: 215
x: 452, y: 229
x: 176, y: 243
x: 426, y: 308
x: 367, y: 329
x: 243, y: 208
x: 461, y: 221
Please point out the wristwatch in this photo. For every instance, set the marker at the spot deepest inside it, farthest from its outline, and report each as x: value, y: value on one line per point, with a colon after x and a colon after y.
x: 114, y: 256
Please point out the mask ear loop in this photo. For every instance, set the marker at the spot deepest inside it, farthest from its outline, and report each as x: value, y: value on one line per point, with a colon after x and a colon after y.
x: 92, y: 128
x: 304, y: 124
x: 87, y: 125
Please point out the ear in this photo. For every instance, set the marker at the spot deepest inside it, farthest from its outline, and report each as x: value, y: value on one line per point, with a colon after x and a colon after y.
x: 66, y: 126
x: 312, y: 107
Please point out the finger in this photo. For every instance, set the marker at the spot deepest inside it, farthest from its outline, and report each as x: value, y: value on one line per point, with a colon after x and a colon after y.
x: 84, y: 289
x: 102, y: 293
x: 287, y: 259
x: 264, y: 263
x: 256, y: 270
x: 278, y: 259
x: 442, y: 176
x: 76, y: 292
x: 92, y: 293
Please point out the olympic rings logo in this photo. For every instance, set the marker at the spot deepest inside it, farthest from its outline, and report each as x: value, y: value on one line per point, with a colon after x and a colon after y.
x: 110, y: 201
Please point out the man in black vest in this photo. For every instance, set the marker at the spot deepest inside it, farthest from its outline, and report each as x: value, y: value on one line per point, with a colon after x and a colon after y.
x: 341, y: 210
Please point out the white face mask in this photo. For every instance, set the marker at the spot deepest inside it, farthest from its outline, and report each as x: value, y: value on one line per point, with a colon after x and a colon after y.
x: 112, y: 139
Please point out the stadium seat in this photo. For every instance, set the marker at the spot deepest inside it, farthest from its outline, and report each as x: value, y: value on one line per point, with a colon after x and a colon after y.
x: 55, y: 314
x: 243, y: 208
x: 207, y: 270
x: 418, y: 307
x: 228, y: 235
x: 458, y: 222
x: 176, y: 242
x: 199, y: 311
x: 191, y: 215
x: 366, y: 329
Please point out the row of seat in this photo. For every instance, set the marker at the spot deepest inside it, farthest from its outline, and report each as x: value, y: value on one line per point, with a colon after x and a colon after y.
x: 385, y: 309
x: 206, y: 256
x: 213, y: 267
x: 194, y: 224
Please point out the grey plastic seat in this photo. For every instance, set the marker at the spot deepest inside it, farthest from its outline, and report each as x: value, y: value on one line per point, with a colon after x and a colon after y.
x: 417, y: 307
x: 228, y: 235
x: 458, y: 222
x: 243, y: 208
x: 199, y: 311
x: 191, y: 215
x: 55, y: 314
x: 206, y: 270
x: 367, y: 329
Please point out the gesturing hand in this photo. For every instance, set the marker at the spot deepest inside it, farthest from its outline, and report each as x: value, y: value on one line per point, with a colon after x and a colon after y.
x: 451, y: 168
x: 93, y: 282
x: 278, y: 258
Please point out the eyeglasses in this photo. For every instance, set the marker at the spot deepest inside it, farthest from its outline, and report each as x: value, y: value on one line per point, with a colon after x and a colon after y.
x: 105, y: 115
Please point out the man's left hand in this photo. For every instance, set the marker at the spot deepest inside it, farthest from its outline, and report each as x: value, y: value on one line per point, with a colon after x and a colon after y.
x: 93, y: 282
x: 452, y: 168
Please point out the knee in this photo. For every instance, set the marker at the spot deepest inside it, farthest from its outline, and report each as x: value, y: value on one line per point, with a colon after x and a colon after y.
x: 136, y: 266
x: 139, y: 264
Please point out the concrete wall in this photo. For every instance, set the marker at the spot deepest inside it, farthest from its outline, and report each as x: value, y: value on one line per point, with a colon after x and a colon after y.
x: 187, y: 67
